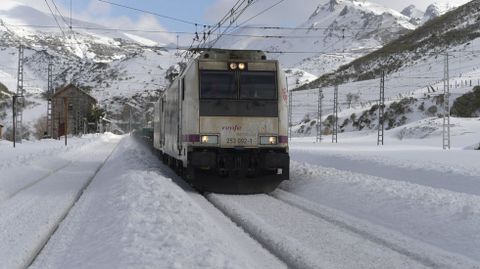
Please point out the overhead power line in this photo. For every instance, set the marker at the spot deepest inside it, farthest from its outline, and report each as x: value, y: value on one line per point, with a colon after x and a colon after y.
x: 315, y: 28
x: 107, y: 29
x: 150, y: 12
x: 260, y: 13
x: 55, y: 18
x: 63, y: 18
x: 231, y: 17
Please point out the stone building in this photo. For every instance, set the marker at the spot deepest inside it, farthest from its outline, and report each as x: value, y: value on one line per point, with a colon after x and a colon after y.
x: 71, y: 108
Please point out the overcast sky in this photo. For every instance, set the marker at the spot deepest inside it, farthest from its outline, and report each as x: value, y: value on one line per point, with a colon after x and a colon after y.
x: 287, y: 13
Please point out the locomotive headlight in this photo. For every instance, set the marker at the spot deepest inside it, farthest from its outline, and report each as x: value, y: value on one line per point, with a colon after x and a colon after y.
x: 233, y: 66
x: 268, y: 140
x: 209, y: 139
x: 241, y: 66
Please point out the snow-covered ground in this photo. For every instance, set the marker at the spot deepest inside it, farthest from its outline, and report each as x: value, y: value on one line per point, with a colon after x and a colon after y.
x: 38, y: 191
x: 410, y: 185
x: 132, y: 215
x: 407, y: 204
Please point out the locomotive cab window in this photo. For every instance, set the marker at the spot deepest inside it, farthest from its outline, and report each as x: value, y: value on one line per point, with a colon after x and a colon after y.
x: 218, y: 85
x: 258, y: 85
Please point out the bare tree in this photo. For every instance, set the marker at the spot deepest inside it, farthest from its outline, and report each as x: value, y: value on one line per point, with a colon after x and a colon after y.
x: 352, y: 98
x: 40, y: 127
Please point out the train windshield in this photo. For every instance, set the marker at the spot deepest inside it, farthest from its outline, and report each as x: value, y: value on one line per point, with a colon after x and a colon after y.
x: 218, y: 85
x: 258, y: 85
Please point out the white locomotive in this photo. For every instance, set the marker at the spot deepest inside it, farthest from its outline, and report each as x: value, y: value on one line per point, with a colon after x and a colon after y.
x: 222, y: 124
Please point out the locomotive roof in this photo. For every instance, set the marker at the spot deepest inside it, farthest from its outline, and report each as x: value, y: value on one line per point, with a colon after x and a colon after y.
x: 228, y: 54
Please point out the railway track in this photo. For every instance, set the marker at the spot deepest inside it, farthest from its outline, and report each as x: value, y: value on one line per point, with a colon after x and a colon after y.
x: 306, y: 235
x: 31, y: 214
x: 49, y: 172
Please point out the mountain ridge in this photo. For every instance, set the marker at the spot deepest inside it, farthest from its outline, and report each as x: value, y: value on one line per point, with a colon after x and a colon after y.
x: 333, y: 27
x: 453, y: 28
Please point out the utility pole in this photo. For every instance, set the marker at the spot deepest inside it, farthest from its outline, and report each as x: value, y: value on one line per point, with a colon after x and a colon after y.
x: 381, y: 111
x: 335, y: 115
x: 14, y: 115
x: 446, y: 107
x: 290, y: 109
x: 65, y: 118
x: 130, y: 119
x: 77, y: 114
x: 319, y: 115
x: 49, y: 102
x: 71, y: 16
x: 20, y: 101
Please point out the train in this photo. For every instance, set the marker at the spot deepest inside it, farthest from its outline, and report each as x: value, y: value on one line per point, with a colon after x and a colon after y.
x: 222, y: 124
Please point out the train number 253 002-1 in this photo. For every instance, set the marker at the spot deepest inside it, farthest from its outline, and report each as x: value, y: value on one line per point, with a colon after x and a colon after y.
x: 240, y: 141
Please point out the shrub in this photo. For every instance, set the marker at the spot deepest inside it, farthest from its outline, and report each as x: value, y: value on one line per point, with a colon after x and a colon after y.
x: 353, y: 117
x: 345, y: 123
x: 373, y: 109
x: 431, y: 111
x: 421, y: 107
x: 329, y: 121
x: 467, y: 105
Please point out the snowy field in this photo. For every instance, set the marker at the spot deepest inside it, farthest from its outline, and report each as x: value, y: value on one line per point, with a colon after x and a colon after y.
x: 409, y: 185
x: 106, y: 202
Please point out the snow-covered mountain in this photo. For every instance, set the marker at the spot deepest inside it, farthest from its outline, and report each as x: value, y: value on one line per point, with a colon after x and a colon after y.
x: 455, y: 29
x: 435, y: 10
x: 351, y: 27
x: 414, y: 66
x: 111, y: 65
x: 418, y: 17
x: 415, y: 14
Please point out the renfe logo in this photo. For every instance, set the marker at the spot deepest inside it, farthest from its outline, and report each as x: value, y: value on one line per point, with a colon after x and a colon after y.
x: 232, y: 128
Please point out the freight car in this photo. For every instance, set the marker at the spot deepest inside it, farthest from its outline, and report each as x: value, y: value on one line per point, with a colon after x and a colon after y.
x: 222, y: 124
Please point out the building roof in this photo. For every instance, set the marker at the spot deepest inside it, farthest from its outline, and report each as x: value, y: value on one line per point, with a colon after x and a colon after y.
x: 75, y: 87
